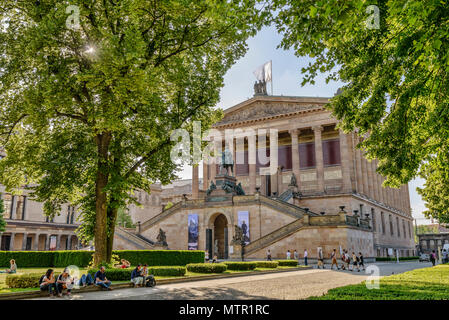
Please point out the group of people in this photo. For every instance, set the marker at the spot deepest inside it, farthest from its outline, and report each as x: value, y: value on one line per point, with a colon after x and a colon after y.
x: 349, y: 262
x: 56, y: 285
x: 207, y: 259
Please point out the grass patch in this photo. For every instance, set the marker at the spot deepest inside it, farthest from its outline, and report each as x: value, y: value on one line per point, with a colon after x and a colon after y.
x: 422, y: 284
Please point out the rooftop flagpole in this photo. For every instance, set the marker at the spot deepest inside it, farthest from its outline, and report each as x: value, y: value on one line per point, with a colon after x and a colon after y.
x: 271, y: 66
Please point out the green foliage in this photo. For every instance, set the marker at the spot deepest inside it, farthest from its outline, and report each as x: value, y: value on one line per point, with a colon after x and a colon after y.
x: 206, y: 267
x: 96, y: 105
x: 394, y: 259
x: 287, y: 263
x: 30, y: 280
x: 244, y: 265
x: 267, y: 264
x: 79, y: 258
x: 161, y: 257
x: 396, y: 80
x: 420, y: 284
x: 124, y: 219
x: 125, y: 274
x: 168, y: 205
x: 2, y: 218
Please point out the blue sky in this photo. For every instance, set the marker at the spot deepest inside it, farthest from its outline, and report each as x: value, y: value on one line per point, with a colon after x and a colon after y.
x: 287, y: 77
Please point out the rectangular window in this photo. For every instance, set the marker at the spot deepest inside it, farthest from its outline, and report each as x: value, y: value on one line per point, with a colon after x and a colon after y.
x: 285, y: 157
x: 403, y: 227
x: 399, y: 226
x: 307, y: 155
x: 241, y: 169
x: 331, y: 152
x: 391, y: 225
x: 373, y: 218
x: 382, y: 218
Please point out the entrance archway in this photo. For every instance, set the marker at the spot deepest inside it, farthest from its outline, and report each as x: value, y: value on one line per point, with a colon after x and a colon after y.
x: 220, y: 243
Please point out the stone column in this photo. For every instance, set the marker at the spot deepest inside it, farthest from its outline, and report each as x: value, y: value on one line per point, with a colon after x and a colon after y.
x: 358, y: 158
x: 24, y: 241
x: 11, y: 242
x: 275, y: 175
x: 47, y: 242
x: 319, y: 157
x: 58, y: 242
x: 295, y: 155
x: 36, y: 241
x: 252, y: 147
x: 69, y: 242
x: 13, y: 207
x: 195, y: 181
x: 365, y: 174
x: 385, y: 193
x: 205, y: 175
x: 345, y: 163
x: 370, y: 172
x: 376, y: 181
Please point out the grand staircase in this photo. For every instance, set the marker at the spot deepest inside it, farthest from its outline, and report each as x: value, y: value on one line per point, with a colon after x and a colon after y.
x: 274, y: 236
x: 135, y: 240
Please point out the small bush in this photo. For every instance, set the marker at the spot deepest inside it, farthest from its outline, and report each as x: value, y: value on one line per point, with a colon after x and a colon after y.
x: 125, y: 274
x: 23, y: 280
x: 206, y: 267
x: 241, y: 265
x: 267, y: 264
x: 395, y: 259
x: 287, y: 263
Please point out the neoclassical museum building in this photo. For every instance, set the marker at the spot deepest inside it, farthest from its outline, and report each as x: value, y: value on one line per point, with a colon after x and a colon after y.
x: 323, y: 193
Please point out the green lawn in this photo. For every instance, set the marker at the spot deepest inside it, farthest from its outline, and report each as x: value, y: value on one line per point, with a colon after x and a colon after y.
x: 5, y: 289
x: 422, y: 284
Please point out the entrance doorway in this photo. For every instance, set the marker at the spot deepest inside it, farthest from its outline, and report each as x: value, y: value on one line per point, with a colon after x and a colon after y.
x: 221, y: 237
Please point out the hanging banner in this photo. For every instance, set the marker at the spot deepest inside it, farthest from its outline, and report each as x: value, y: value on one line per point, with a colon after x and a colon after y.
x: 243, y: 222
x: 193, y: 231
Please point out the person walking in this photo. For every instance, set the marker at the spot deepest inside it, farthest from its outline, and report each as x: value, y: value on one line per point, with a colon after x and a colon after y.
x: 288, y: 255
x: 334, y: 260
x: 305, y: 256
x: 361, y: 261
x: 268, y: 255
x: 343, y: 260
x: 433, y: 257
x: 296, y: 255
x: 355, y: 262
x: 320, y: 258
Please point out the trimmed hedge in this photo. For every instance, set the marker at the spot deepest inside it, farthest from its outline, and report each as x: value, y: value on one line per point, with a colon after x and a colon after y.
x: 206, y: 267
x: 287, y: 263
x: 51, y: 259
x: 125, y: 274
x: 21, y: 281
x: 161, y: 257
x: 231, y: 265
x: 266, y: 264
x: 394, y: 259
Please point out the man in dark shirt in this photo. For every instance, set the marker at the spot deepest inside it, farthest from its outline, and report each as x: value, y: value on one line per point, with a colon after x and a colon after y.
x: 136, y: 276
x: 101, y: 280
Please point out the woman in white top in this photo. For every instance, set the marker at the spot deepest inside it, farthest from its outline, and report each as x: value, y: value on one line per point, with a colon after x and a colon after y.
x: 288, y: 254
x: 12, y: 267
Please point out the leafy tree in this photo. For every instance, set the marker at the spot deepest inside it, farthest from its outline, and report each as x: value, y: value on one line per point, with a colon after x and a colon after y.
x: 2, y: 218
x: 88, y: 104
x: 124, y: 219
x: 396, y: 79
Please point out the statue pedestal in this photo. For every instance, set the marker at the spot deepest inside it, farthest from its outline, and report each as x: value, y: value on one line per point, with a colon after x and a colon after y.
x: 225, y: 188
x: 237, y: 252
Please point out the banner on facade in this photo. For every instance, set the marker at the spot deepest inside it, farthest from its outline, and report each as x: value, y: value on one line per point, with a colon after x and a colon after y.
x: 193, y: 231
x: 243, y: 222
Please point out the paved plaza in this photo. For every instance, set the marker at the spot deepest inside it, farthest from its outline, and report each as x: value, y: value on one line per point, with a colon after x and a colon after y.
x: 287, y: 285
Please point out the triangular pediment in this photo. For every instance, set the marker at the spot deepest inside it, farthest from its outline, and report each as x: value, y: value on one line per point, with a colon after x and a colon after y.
x: 261, y: 107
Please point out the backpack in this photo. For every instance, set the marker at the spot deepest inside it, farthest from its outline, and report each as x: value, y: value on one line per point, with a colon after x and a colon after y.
x: 151, y: 282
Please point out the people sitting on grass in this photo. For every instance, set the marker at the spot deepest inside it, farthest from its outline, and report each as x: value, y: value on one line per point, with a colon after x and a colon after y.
x: 136, y: 276
x: 101, y: 280
x: 48, y: 283
x: 12, y: 267
x: 123, y: 264
x: 215, y: 259
x: 64, y: 281
x: 144, y: 272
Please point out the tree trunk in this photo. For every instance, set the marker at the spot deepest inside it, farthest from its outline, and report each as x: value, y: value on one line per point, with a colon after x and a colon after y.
x: 112, y: 218
x: 101, y: 200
